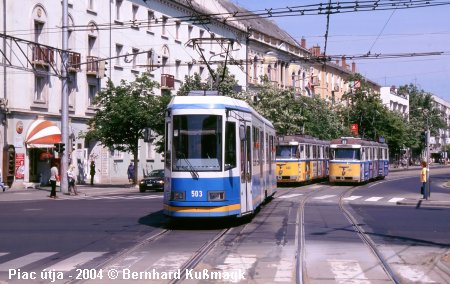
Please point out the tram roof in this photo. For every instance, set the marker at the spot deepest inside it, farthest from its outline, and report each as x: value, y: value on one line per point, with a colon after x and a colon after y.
x: 286, y: 139
x: 214, y: 102
x: 356, y: 141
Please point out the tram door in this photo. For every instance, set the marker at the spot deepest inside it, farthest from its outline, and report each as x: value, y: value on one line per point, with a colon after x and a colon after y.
x: 246, y: 168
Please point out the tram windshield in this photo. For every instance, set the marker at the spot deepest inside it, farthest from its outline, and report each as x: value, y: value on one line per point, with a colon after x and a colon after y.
x: 197, y: 143
x: 287, y: 151
x: 345, y: 154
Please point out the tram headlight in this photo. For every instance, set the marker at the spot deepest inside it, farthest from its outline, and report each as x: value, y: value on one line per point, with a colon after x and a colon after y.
x: 177, y: 195
x: 216, y: 195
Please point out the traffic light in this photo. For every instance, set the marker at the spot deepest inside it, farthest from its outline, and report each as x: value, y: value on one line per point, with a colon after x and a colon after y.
x: 11, y: 160
x: 61, y: 147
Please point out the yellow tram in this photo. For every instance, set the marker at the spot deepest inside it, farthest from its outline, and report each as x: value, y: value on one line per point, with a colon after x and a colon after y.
x: 355, y: 160
x: 301, y: 159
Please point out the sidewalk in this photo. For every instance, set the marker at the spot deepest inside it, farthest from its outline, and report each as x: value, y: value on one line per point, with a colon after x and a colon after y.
x: 43, y: 192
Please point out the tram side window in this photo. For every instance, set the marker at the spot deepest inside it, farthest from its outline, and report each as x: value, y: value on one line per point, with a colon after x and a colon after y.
x: 230, y: 145
x: 167, y: 156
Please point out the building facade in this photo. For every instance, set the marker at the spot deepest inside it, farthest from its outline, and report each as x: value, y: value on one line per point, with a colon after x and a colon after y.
x: 115, y: 39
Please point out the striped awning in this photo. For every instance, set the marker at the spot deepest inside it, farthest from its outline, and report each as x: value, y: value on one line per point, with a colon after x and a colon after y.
x: 43, y: 134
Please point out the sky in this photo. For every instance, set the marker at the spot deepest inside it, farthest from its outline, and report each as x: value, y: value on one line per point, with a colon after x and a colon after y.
x: 415, y: 30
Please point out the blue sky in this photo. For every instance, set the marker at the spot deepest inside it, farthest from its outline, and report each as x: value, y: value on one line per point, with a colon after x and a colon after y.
x: 399, y: 31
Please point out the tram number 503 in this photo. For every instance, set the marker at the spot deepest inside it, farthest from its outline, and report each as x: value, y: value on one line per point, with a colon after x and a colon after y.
x: 196, y: 193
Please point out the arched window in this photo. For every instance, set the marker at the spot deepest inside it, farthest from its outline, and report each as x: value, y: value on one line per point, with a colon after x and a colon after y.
x: 269, y: 72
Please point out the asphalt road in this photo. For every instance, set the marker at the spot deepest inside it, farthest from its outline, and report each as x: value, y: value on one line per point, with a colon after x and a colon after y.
x: 128, y: 231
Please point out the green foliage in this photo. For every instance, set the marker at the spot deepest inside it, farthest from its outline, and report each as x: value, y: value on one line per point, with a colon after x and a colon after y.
x: 226, y: 82
x: 124, y: 111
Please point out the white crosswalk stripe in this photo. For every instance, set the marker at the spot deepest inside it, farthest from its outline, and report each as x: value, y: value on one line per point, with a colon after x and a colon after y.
x: 353, y: 197
x: 74, y: 261
x: 24, y: 260
x: 113, y: 197
x: 290, y: 195
x: 395, y: 199
x: 324, y: 196
x: 374, y: 199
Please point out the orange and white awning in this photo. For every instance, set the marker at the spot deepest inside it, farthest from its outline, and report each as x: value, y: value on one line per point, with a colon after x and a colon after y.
x: 43, y: 134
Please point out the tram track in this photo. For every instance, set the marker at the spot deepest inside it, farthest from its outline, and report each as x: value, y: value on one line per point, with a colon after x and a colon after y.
x: 366, y: 238
x: 301, y: 273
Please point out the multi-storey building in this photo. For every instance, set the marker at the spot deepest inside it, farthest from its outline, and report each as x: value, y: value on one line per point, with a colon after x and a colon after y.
x: 395, y: 101
x: 442, y: 139
x: 163, y: 38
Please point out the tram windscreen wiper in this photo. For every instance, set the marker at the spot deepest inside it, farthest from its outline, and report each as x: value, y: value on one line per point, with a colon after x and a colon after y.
x: 191, y: 169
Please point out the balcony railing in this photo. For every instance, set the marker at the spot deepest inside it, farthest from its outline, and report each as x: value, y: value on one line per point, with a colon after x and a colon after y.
x: 167, y: 81
x: 74, y: 62
x: 92, y: 65
x: 43, y: 55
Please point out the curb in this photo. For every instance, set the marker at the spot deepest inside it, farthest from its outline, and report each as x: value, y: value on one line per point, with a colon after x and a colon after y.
x: 424, y: 203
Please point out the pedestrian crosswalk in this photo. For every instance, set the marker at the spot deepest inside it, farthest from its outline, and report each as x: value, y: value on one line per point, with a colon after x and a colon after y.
x: 111, y: 197
x: 66, y: 264
x: 369, y: 199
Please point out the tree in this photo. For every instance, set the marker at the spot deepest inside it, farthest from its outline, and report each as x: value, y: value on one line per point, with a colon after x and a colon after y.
x: 365, y: 108
x: 124, y: 111
x: 226, y: 83
x: 421, y: 112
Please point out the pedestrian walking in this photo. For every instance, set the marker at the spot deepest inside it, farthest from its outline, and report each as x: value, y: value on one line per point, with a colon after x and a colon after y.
x: 130, y: 173
x: 54, y: 177
x: 423, y: 178
x: 71, y: 179
x: 92, y: 172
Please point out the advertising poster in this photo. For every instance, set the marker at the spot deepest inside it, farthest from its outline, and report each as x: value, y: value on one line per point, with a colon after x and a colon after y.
x: 20, y: 165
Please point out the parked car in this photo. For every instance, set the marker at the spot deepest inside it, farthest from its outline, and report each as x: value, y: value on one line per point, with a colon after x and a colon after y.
x: 154, y: 180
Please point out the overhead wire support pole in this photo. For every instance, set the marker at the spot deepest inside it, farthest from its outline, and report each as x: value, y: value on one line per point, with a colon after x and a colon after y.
x: 64, y: 98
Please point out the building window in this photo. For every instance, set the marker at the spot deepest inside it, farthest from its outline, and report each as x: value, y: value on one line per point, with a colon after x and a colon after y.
x: 91, y: 45
x: 189, y: 69
x: 177, y: 30
x: 118, y: 8
x: 150, y: 18
x: 119, y: 49
x: 134, y: 51
x: 92, y: 91
x: 40, y: 87
x: 117, y: 155
x: 134, y: 11
x: 200, y: 71
x: 177, y: 69
x: 38, y: 28
x: 150, y: 61
x: 163, y: 26
x: 72, y: 87
x: 150, y: 153
x: 190, y: 28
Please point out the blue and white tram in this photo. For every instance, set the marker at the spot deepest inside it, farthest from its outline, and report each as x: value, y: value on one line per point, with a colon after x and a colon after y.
x: 219, y: 157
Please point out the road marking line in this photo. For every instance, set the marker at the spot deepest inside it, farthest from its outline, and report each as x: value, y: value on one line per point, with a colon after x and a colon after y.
x: 373, y: 199
x: 414, y: 275
x: 24, y: 260
x: 395, y: 199
x: 353, y: 197
x: 72, y: 262
x: 290, y: 195
x: 324, y: 196
x: 347, y: 271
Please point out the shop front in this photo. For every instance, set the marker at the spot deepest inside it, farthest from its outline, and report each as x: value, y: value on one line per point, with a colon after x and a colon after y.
x: 40, y: 139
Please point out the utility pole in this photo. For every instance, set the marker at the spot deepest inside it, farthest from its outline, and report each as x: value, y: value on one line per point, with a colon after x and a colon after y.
x: 427, y: 186
x: 64, y: 97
